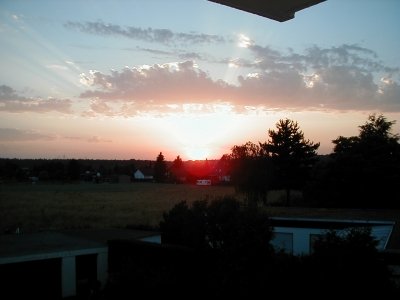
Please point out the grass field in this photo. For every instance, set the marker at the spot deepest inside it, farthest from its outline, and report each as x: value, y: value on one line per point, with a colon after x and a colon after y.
x: 88, y: 205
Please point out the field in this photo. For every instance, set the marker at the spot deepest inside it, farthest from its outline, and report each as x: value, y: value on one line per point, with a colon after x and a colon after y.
x: 136, y: 205
x: 87, y: 205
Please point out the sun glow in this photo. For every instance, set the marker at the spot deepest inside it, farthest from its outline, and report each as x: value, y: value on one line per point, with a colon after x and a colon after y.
x: 244, y: 41
x: 201, y: 136
x: 197, y: 152
x: 196, y: 137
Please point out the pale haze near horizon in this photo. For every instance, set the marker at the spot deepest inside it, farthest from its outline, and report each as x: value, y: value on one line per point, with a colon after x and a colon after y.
x: 130, y: 79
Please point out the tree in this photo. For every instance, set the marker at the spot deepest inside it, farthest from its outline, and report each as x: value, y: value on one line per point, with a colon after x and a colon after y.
x: 292, y: 155
x: 177, y: 163
x: 222, y: 225
x: 350, y: 261
x: 235, y: 239
x: 365, y: 169
x: 74, y: 169
x: 375, y: 140
x: 184, y: 225
x: 250, y: 171
x: 177, y: 170
x: 160, y: 168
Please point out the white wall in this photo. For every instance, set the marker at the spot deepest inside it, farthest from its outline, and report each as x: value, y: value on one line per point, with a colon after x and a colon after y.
x: 300, y: 238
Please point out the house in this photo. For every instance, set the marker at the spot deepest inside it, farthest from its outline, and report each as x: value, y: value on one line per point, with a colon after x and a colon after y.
x: 143, y: 175
x: 295, y: 229
x: 303, y: 223
x: 297, y: 235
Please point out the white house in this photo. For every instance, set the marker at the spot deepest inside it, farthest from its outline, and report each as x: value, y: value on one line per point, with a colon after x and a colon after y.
x: 139, y: 175
x: 297, y: 235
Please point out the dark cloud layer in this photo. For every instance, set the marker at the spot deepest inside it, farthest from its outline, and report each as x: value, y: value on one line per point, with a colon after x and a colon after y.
x: 153, y: 35
x: 183, y: 55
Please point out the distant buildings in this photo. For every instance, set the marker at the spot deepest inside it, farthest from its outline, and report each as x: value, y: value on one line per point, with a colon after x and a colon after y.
x: 145, y: 175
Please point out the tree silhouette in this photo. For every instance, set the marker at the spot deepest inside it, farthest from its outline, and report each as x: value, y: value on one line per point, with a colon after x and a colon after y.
x: 375, y: 140
x: 350, y: 261
x: 363, y: 171
x: 367, y: 167
x: 73, y: 169
x: 177, y: 170
x: 250, y: 171
x: 292, y: 155
x: 160, y: 168
x: 221, y: 225
x: 178, y: 163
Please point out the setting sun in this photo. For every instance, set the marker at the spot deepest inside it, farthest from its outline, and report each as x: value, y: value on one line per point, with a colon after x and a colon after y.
x: 197, y: 152
x: 201, y: 136
x: 196, y: 136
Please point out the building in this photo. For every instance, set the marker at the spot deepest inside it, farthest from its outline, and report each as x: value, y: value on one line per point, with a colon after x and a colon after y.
x: 296, y: 228
x: 144, y: 175
x: 296, y: 235
x: 56, y: 265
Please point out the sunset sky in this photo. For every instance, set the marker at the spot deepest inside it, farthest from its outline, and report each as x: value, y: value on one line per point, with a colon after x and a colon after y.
x: 127, y: 79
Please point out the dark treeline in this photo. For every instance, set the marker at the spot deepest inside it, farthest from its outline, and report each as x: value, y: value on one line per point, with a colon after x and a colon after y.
x: 363, y: 171
x: 65, y: 169
x: 73, y: 170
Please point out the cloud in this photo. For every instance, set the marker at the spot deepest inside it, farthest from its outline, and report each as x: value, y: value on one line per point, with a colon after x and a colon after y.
x: 180, y: 82
x: 152, y: 51
x: 57, y: 67
x: 182, y: 55
x: 245, y: 41
x: 190, y: 56
x: 97, y: 139
x: 10, y: 101
x: 347, y: 77
x: 317, y: 58
x: 17, y: 135
x: 152, y: 35
x: 92, y: 139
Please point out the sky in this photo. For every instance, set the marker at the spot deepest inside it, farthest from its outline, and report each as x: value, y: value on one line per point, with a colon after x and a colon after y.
x: 128, y: 79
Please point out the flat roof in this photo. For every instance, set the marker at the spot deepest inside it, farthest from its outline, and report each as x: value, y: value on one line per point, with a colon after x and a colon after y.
x: 46, y: 245
x: 326, y: 223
